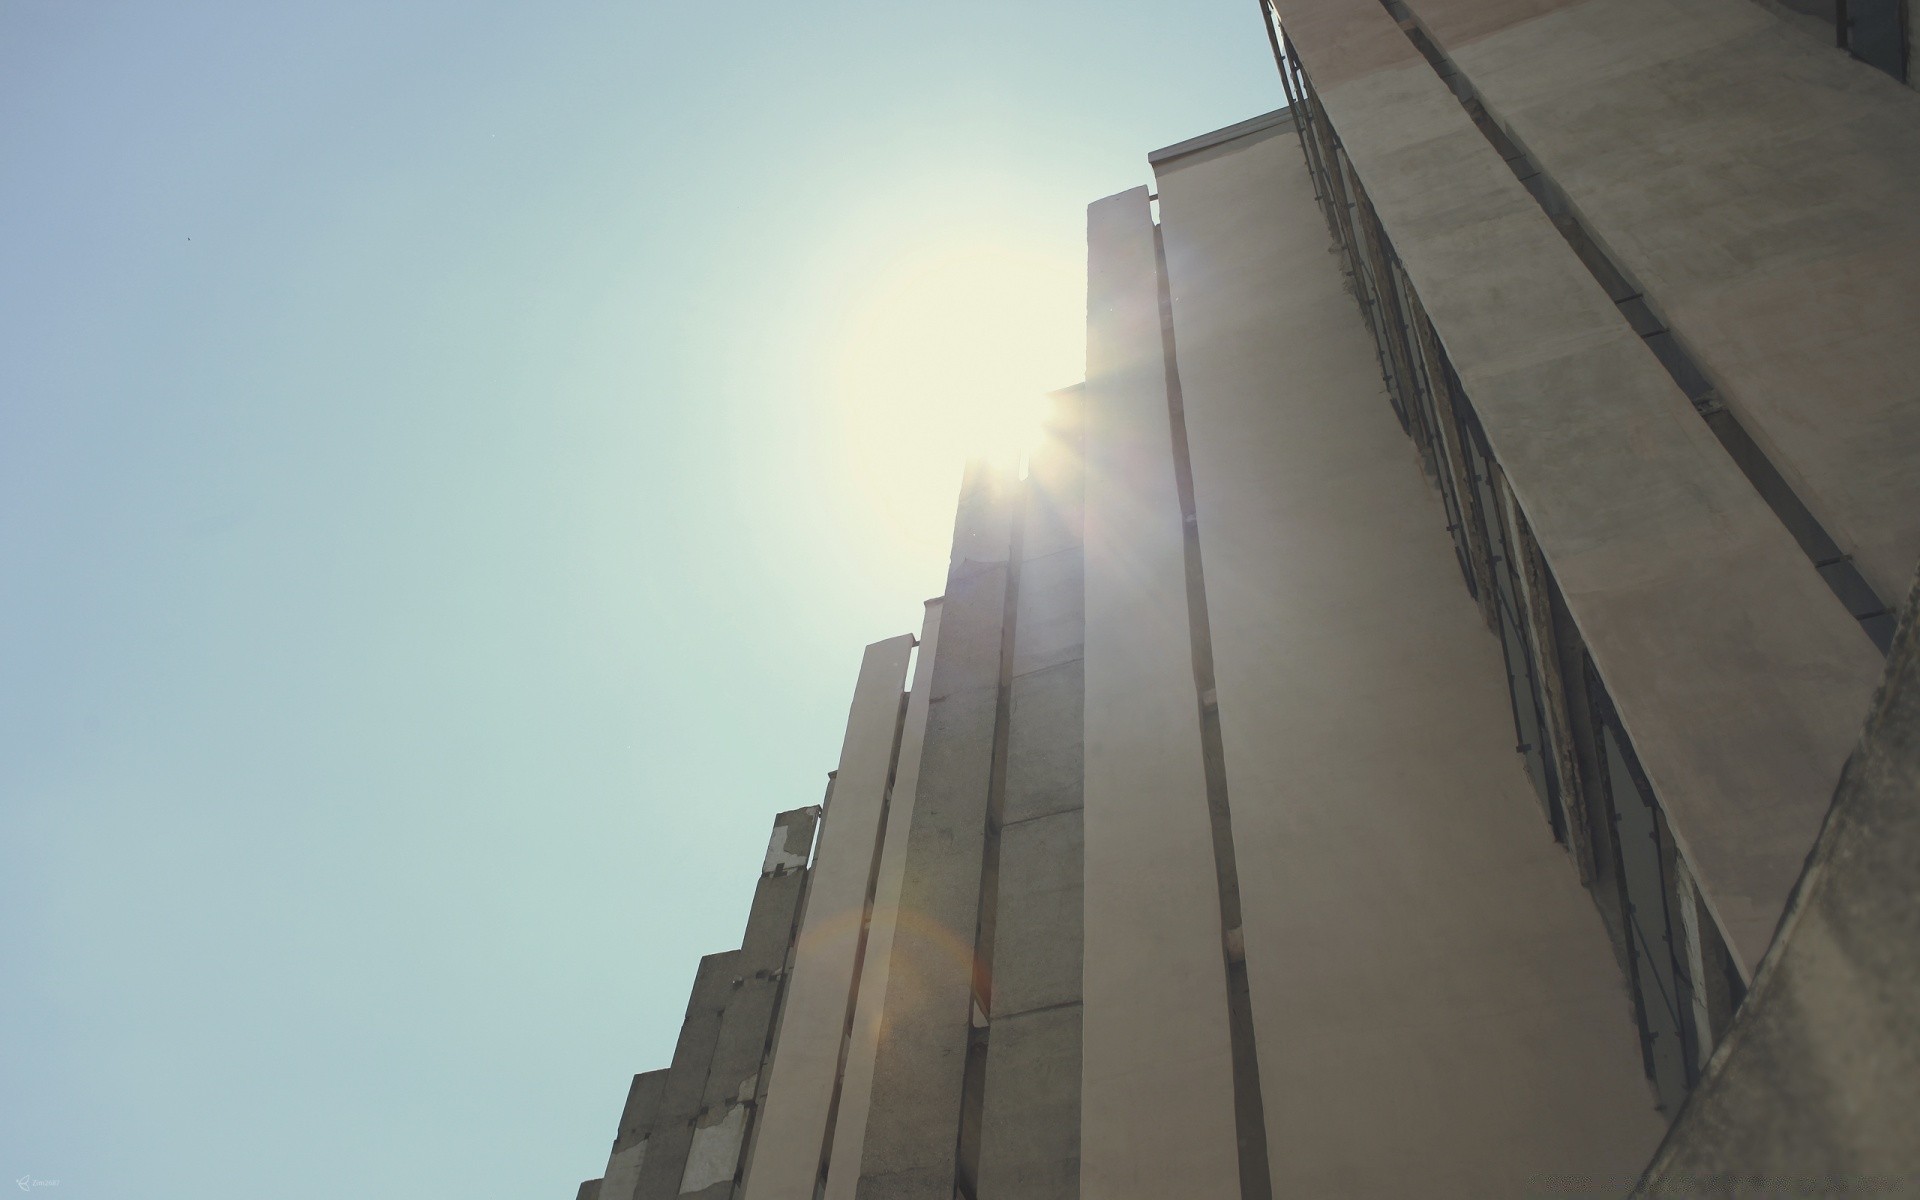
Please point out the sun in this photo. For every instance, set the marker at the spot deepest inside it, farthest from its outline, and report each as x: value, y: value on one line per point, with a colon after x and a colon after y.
x: 1004, y: 429
x: 948, y: 353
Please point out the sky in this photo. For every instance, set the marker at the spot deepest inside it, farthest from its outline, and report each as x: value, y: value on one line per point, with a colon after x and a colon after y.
x: 451, y: 458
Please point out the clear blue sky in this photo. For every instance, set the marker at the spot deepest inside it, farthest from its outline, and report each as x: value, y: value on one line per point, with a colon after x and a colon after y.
x: 451, y: 457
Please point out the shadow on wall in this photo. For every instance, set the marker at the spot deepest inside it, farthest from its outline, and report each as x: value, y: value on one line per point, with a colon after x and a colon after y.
x: 1815, y: 1090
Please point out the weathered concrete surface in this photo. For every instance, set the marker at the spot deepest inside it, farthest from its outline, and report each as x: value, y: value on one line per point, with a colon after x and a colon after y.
x: 1738, y: 675
x: 590, y: 1190
x: 1050, y: 633
x: 1037, y: 943
x: 1437, y: 1009
x: 622, y: 1179
x: 910, y: 1148
x: 789, y: 846
x: 1030, y: 1116
x: 1044, y: 742
x: 1030, y: 1139
x: 1032, y: 1120
x: 642, y: 1107
x: 1815, y: 1089
x: 713, y: 1156
x: 739, y: 1056
x: 1036, y: 951
x: 637, y: 1119
x: 686, y: 1081
x: 797, y: 1111
x: 1156, y: 1073
x: 863, y: 1042
x: 1761, y: 188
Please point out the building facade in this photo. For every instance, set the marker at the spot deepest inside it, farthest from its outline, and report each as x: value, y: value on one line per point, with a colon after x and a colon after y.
x: 1375, y: 745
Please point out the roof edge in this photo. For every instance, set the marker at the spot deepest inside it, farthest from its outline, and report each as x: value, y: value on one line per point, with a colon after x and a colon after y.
x: 1207, y: 141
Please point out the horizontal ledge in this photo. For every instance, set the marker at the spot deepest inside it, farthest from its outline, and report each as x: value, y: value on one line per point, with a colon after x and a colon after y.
x: 1206, y: 141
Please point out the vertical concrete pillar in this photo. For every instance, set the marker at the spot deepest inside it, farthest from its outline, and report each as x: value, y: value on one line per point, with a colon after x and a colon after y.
x: 1157, y: 1071
x: 797, y: 1113
x: 863, y: 1045
x: 685, y: 1086
x: 1030, y: 1124
x: 630, y: 1143
x: 733, y: 1081
x: 910, y: 1149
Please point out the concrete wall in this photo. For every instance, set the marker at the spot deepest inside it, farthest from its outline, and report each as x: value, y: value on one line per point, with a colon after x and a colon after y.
x: 1739, y: 677
x: 1157, y: 1071
x: 910, y: 1149
x: 682, y: 1094
x: 1814, y: 1091
x: 797, y: 1111
x: 1437, y: 1008
x: 740, y: 1051
x: 637, y: 1121
x: 1030, y: 1121
x: 863, y: 1042
x: 1759, y: 186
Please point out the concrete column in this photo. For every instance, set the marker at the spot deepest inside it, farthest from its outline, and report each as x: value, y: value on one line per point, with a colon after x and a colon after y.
x: 637, y: 1121
x: 1402, y: 903
x: 1157, y: 1072
x: 863, y: 1045
x: 1656, y: 538
x: 684, y: 1089
x: 1030, y: 1124
x: 910, y: 1151
x: 733, y: 1081
x: 797, y: 1114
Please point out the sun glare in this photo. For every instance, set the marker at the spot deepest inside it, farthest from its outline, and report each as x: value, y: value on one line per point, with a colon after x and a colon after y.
x: 947, y: 354
x: 1009, y: 427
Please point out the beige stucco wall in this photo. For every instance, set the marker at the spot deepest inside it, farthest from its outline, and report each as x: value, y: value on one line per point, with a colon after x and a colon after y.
x: 1437, y: 1009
